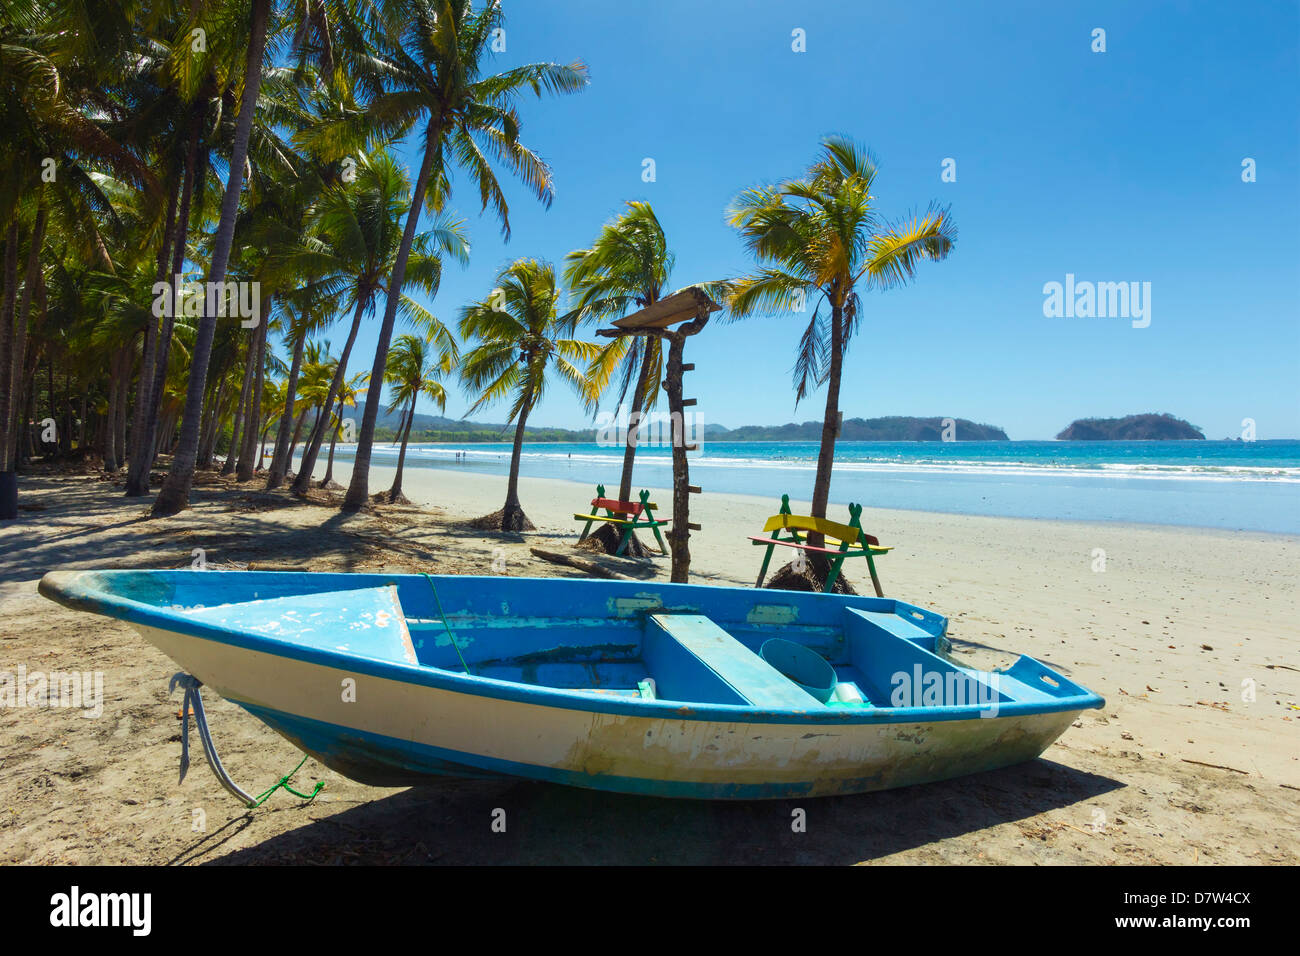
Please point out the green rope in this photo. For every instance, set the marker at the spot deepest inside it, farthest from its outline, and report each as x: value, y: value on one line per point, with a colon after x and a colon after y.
x: 442, y: 615
x: 284, y: 782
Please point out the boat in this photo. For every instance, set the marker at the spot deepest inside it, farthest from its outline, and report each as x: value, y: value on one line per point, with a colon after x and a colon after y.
x: 669, y: 690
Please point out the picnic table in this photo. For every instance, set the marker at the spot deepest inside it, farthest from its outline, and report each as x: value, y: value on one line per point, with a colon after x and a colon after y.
x: 631, y: 515
x: 853, y: 541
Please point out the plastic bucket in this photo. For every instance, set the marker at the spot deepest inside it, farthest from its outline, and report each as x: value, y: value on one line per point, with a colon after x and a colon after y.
x: 812, y: 672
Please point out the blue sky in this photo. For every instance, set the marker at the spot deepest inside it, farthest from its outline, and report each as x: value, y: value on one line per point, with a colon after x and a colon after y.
x: 1115, y: 166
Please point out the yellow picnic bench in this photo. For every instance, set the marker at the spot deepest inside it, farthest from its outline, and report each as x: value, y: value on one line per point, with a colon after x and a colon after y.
x: 848, y: 535
x: 628, y: 514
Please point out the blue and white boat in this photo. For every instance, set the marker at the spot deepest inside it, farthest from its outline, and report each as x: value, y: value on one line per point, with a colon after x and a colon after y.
x: 671, y: 690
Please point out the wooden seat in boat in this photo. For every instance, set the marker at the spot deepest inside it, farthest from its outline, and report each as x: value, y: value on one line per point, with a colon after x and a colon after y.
x: 691, y: 658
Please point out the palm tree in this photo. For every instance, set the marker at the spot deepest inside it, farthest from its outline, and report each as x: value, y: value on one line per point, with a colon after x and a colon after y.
x: 414, y: 371
x: 349, y: 395
x: 625, y: 269
x: 357, y: 230
x: 48, y: 100
x: 430, y: 70
x: 175, y: 492
x: 521, y: 335
x: 820, y: 237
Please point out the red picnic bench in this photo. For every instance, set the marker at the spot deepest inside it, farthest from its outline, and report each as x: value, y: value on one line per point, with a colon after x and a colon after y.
x: 848, y: 535
x: 625, y: 513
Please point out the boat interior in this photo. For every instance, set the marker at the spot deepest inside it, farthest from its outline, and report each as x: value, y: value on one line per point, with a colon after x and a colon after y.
x: 635, y: 640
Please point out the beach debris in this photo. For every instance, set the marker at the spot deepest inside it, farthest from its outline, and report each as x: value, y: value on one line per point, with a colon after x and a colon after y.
x: 582, y: 564
x: 1216, y: 766
x: 1206, y: 647
x: 496, y: 521
x: 606, y: 540
x: 808, y: 575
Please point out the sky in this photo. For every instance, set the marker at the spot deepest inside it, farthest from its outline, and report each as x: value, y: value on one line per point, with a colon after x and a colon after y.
x: 1117, y: 166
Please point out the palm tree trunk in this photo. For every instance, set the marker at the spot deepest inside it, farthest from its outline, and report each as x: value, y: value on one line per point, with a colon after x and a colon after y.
x: 629, y: 449
x: 118, y: 425
x: 108, y: 430
x: 175, y: 493
x: 208, y: 434
x: 261, y: 454
x: 830, y: 423
x: 359, y: 486
x: 309, y: 454
x: 253, y: 416
x: 27, y: 439
x: 7, y: 305
x: 329, y: 466
x: 512, y: 514
x: 149, y: 355
x: 297, y: 432
x: 144, y: 440
x: 395, y: 492
x: 281, y: 458
x: 237, y: 427
x: 19, y: 347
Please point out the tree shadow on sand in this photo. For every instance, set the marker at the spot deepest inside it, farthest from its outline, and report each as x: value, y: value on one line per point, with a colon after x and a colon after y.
x: 451, y: 823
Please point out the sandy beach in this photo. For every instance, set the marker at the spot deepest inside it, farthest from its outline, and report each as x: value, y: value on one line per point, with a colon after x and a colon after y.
x: 1177, y: 768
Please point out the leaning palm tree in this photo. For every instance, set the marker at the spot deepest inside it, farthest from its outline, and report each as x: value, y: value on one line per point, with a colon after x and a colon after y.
x: 349, y: 395
x: 414, y: 371
x: 820, y: 238
x: 431, y: 70
x: 357, y: 229
x: 175, y: 493
x: 626, y: 268
x: 521, y: 335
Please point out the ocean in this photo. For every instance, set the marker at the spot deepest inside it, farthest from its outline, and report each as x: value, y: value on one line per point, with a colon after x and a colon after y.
x: 1252, y: 486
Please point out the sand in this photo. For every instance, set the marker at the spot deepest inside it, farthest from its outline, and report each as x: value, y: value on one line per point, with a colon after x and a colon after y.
x: 1179, y: 767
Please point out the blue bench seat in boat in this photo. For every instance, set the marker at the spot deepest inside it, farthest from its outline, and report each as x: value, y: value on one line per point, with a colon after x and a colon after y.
x: 364, y: 621
x: 692, y: 659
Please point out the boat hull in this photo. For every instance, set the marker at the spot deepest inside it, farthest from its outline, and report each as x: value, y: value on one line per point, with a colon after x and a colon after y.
x: 387, y: 732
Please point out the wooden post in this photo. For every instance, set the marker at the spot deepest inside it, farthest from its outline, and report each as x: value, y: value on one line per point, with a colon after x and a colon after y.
x: 680, y: 535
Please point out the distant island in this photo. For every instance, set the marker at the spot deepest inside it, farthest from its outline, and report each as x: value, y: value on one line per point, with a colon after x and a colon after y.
x: 1149, y: 427
x: 891, y: 428
x: 438, y: 428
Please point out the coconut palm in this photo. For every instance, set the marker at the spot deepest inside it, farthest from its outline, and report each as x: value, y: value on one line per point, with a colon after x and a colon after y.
x: 357, y: 231
x: 349, y: 394
x: 175, y: 492
x: 522, y: 335
x: 626, y: 268
x: 414, y: 371
x: 431, y: 73
x: 820, y: 238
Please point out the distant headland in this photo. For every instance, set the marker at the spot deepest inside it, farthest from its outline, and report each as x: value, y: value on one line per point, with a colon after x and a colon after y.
x: 891, y: 428
x: 1148, y: 427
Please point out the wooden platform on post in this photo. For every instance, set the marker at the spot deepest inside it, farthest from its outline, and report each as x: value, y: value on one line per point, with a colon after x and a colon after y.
x: 691, y: 306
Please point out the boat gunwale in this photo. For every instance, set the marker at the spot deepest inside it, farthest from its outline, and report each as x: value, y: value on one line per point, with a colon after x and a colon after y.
x: 69, y: 589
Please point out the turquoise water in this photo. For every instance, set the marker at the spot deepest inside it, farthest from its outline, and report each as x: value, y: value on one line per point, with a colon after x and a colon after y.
x: 1217, y: 484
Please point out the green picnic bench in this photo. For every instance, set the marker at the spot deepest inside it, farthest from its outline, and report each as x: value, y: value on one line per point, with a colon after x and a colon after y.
x: 848, y: 535
x: 628, y: 514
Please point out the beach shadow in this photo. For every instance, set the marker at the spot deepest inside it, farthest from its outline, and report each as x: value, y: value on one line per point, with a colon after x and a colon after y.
x: 452, y: 823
